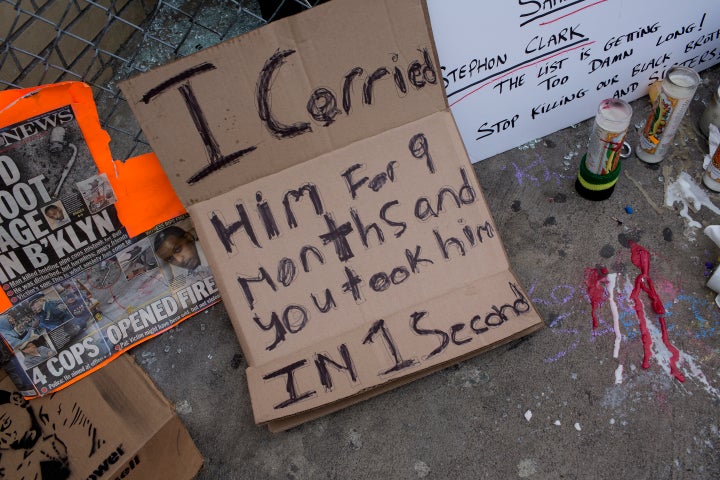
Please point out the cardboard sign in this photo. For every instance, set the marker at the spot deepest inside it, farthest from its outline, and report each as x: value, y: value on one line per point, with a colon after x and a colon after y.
x: 347, y: 231
x: 531, y: 68
x: 114, y: 424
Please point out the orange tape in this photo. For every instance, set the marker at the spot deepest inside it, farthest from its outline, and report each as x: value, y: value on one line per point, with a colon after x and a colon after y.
x: 145, y: 197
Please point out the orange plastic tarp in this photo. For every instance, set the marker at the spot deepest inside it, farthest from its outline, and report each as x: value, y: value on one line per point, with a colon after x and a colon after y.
x: 145, y: 197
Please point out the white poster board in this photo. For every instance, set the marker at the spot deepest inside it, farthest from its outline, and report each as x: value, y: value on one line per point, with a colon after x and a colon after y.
x: 516, y: 71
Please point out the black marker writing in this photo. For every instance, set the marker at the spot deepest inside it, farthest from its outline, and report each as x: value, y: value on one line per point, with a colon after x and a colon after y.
x: 540, y: 8
x: 388, y: 175
x: 286, y: 271
x: 550, y: 67
x: 379, y: 328
x: 245, y: 282
x: 383, y: 215
x: 479, y: 323
x: 419, y: 149
x: 702, y: 40
x: 329, y: 301
x: 309, y: 189
x: 414, y: 259
x: 375, y: 184
x: 507, y: 84
x: 353, y: 185
x: 420, y: 323
x: 337, y: 235
x: 420, y: 74
x: 684, y: 30
x: 181, y: 77
x: 290, y: 387
x: 304, y: 256
x: 322, y: 103
x: 497, y: 127
x: 473, y: 68
x: 217, y: 160
x: 363, y: 230
x: 370, y: 82
x: 322, y: 361
x: 415, y: 318
x: 294, y: 318
x: 322, y: 106
x: 381, y: 281
x: 652, y: 63
x: 449, y: 242
x: 465, y: 196
x: 697, y: 60
x: 262, y: 94
x: 347, y: 87
x: 606, y: 83
x: 567, y: 34
x: 352, y: 284
x: 266, y: 216
x: 631, y: 36
x: 225, y: 232
x: 563, y: 100
x: 473, y: 235
x: 604, y: 62
x: 399, y: 80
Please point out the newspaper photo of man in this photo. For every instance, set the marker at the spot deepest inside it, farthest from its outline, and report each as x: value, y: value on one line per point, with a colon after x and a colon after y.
x: 179, y: 249
x: 55, y: 215
x: 16, y: 372
x: 35, y: 352
x: 70, y: 295
x: 49, y: 314
x: 15, y: 328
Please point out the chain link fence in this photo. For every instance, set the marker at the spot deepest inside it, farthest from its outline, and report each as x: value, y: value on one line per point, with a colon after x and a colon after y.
x: 102, y: 42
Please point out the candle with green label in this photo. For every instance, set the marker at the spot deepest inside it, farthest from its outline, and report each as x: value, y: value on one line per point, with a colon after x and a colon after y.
x: 600, y: 166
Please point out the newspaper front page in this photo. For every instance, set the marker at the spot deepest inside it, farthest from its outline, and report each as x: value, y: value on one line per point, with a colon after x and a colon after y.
x: 82, y: 290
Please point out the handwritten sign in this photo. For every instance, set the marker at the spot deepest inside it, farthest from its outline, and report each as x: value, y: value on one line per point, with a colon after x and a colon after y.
x: 530, y: 68
x: 388, y: 239
x: 346, y: 229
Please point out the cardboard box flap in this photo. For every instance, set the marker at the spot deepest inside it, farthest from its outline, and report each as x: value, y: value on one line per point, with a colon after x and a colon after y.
x: 295, y: 89
x: 290, y: 421
x: 426, y: 335
x: 113, y: 424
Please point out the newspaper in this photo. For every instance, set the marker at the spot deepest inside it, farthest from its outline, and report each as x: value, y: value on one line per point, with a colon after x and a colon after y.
x: 81, y: 289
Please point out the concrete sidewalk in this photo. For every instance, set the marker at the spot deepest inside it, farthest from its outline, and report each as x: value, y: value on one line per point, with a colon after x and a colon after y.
x: 552, y: 405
